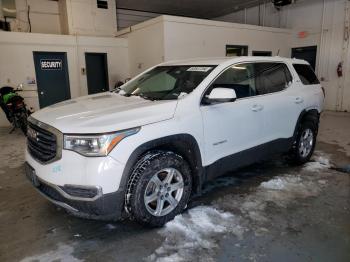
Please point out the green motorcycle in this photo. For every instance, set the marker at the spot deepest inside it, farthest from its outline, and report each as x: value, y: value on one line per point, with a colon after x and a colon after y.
x: 14, y: 108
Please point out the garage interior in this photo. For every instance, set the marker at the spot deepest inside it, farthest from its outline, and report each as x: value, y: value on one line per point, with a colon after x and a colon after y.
x: 272, y: 211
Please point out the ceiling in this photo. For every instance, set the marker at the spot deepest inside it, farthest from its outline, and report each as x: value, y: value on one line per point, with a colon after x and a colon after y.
x: 206, y: 9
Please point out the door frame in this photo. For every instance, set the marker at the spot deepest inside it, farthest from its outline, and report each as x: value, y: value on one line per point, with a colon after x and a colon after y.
x: 66, y: 71
x: 105, y: 64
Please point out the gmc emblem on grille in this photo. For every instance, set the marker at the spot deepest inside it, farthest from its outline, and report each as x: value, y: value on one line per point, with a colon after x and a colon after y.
x: 32, y: 134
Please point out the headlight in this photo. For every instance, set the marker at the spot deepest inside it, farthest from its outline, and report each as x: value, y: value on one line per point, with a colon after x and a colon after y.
x: 96, y: 145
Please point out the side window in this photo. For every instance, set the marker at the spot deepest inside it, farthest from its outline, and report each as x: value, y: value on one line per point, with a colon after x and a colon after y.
x: 271, y: 77
x: 306, y: 74
x: 240, y: 78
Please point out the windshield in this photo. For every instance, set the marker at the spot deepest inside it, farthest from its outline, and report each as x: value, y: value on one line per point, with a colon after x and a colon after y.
x: 166, y: 82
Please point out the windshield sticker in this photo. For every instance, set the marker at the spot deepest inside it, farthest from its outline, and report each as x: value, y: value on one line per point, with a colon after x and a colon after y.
x: 199, y: 69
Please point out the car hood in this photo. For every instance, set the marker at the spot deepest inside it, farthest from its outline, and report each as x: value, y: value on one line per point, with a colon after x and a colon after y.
x: 105, y: 112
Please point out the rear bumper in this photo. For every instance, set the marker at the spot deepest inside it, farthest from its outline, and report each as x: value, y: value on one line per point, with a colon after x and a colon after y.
x: 96, y: 205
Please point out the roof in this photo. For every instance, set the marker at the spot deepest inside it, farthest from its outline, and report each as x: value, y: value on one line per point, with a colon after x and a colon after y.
x: 221, y: 60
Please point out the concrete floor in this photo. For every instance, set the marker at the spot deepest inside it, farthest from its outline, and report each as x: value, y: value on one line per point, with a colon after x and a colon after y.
x: 267, y: 212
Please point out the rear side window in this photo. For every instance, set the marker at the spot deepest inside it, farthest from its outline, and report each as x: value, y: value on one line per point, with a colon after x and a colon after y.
x: 251, y: 79
x: 271, y: 77
x: 306, y: 74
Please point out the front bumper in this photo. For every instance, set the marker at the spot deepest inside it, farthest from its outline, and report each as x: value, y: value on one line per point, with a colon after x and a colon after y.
x: 83, y: 201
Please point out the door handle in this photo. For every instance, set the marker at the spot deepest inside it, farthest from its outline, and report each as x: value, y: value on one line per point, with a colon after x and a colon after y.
x: 298, y: 100
x: 257, y: 108
x: 41, y: 93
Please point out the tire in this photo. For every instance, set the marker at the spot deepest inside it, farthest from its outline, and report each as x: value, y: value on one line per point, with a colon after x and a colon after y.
x: 146, y: 193
x: 304, y: 144
x: 23, y: 123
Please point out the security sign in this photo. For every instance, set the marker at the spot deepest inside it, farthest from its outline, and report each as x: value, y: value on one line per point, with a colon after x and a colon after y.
x: 51, y: 64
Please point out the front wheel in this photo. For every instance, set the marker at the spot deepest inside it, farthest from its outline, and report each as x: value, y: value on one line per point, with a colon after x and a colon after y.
x: 305, y: 142
x: 159, y: 188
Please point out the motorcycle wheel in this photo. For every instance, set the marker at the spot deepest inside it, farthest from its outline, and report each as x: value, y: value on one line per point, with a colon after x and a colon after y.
x: 22, y: 122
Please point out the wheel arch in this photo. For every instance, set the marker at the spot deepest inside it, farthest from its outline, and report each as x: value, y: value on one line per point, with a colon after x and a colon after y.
x: 310, y: 114
x: 182, y: 144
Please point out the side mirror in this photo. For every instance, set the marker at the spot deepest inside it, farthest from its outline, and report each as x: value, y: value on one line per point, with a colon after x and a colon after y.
x: 221, y: 95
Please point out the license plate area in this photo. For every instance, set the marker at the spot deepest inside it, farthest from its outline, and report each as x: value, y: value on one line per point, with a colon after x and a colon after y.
x: 31, y: 175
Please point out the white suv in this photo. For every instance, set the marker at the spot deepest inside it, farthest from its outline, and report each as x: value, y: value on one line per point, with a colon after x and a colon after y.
x: 142, y: 150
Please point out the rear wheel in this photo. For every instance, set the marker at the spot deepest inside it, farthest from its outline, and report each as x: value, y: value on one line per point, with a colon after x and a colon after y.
x: 159, y: 188
x: 305, y: 142
x: 21, y: 119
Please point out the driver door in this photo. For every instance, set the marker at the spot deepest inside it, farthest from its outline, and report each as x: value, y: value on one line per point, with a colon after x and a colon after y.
x: 232, y: 127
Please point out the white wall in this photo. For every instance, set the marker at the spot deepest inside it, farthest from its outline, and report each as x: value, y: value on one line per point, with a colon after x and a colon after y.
x: 73, y: 17
x: 323, y: 20
x: 17, y: 64
x: 146, y: 44
x: 84, y: 18
x: 267, y: 15
x: 170, y: 38
x: 190, y: 38
x: 127, y: 18
x: 44, y: 16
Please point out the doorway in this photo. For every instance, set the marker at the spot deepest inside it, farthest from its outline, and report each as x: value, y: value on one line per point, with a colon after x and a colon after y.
x: 307, y: 53
x: 96, y: 72
x: 51, y: 69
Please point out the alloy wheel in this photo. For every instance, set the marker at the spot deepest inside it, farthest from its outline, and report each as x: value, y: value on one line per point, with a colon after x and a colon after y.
x: 163, y: 192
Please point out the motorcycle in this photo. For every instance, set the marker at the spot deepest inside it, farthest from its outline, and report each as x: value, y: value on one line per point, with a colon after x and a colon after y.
x: 14, y: 108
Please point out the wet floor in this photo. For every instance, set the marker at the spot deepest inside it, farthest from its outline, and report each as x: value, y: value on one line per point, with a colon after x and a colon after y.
x: 266, y: 212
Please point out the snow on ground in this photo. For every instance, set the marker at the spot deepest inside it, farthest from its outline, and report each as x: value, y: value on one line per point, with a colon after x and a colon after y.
x: 198, y: 230
x: 110, y: 227
x: 12, y: 148
x: 63, y: 253
x: 195, y: 231
x: 318, y: 162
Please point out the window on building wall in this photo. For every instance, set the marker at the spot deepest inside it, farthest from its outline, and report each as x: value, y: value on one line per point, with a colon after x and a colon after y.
x: 262, y: 53
x: 103, y: 4
x: 236, y: 50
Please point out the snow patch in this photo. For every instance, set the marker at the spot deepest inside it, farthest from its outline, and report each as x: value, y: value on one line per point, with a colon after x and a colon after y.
x: 110, y: 227
x: 319, y: 161
x: 63, y: 254
x: 279, y: 191
x: 198, y: 230
x: 280, y: 183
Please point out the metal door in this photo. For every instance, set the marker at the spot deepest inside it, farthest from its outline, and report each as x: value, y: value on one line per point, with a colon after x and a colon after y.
x: 51, y: 70
x: 96, y: 72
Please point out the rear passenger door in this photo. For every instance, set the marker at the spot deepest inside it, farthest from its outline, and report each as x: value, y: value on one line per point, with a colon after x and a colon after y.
x: 282, y: 103
x: 309, y: 86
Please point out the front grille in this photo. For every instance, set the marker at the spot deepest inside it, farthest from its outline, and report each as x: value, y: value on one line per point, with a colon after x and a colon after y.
x: 42, y: 144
